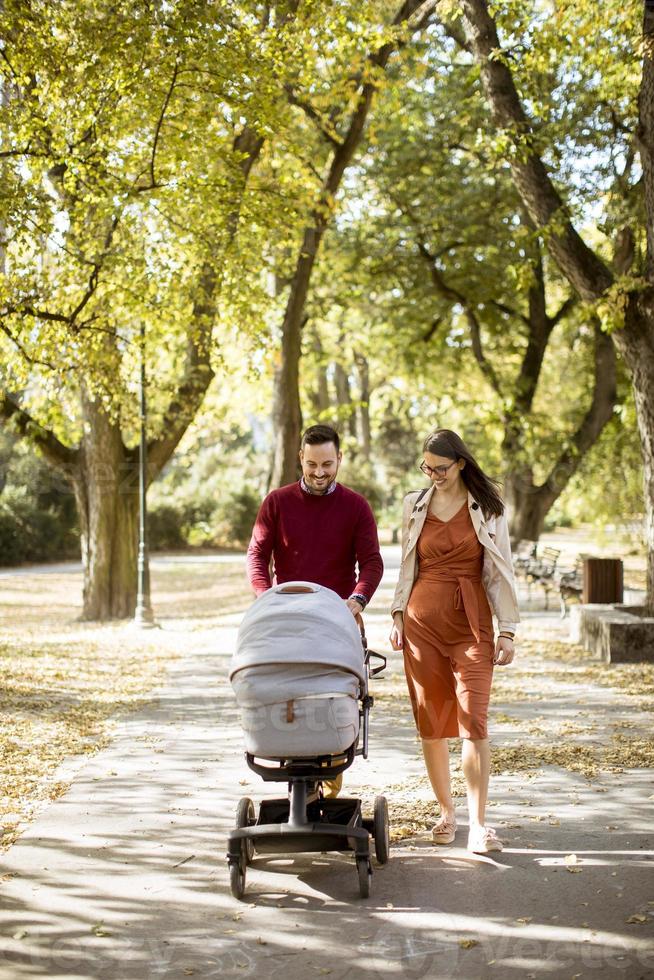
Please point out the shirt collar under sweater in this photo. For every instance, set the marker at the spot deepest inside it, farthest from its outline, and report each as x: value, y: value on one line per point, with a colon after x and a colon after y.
x: 330, y: 489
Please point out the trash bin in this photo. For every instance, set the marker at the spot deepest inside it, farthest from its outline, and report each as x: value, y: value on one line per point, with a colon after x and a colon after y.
x: 603, y: 580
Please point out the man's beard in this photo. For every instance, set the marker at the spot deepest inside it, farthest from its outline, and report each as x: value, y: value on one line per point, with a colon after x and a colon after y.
x: 322, y: 489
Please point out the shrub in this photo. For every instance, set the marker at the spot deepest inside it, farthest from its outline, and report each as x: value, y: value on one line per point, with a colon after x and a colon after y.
x: 29, y: 532
x: 166, y: 524
x: 234, y: 517
x: 362, y: 482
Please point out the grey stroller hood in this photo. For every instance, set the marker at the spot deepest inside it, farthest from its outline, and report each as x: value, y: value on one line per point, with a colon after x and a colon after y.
x: 297, y: 671
x: 284, y: 628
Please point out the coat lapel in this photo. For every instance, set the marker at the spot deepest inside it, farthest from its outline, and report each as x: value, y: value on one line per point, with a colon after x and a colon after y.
x: 417, y: 518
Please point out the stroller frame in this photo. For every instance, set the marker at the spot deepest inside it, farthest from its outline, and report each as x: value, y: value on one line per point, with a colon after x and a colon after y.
x: 303, y: 823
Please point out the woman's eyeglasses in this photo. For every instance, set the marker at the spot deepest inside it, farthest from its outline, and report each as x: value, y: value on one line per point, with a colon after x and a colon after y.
x: 435, y: 470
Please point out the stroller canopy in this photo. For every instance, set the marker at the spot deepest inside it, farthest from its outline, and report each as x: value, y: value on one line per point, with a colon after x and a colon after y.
x: 299, y: 623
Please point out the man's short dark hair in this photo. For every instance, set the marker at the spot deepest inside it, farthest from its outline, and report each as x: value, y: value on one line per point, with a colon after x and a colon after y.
x: 316, y: 435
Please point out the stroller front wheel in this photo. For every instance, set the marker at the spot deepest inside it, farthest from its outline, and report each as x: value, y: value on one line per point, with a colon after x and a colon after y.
x: 381, y: 830
x: 245, y: 817
x: 237, y: 878
x: 364, y: 871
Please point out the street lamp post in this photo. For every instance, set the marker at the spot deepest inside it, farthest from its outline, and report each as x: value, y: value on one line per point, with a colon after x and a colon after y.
x: 143, y: 617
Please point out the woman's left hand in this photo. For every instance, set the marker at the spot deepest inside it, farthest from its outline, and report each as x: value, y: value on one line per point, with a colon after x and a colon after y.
x: 504, y: 651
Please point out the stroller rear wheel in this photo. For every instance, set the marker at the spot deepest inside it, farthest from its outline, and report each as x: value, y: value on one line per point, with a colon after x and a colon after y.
x: 237, y: 878
x: 381, y: 831
x: 364, y: 871
x: 245, y: 817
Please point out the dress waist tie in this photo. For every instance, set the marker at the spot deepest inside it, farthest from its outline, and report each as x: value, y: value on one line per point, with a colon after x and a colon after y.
x: 466, y: 597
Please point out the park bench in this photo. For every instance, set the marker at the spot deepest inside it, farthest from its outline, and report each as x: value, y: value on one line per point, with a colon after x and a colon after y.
x: 571, y: 585
x: 542, y: 571
x: 524, y: 554
x: 538, y: 568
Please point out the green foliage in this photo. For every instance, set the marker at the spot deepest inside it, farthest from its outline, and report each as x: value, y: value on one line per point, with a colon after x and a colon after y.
x: 233, y: 519
x: 30, y: 533
x: 166, y: 524
x: 124, y: 194
x: 37, y: 511
x: 608, y: 488
x: 433, y: 233
x: 362, y: 480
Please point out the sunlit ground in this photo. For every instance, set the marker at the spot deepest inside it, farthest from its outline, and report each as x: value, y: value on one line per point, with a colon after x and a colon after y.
x: 62, y: 681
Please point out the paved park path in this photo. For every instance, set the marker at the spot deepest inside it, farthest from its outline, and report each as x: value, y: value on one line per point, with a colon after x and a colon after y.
x: 124, y: 876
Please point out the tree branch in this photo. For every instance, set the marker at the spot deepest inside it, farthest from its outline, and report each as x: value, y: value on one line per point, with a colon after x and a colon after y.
x: 61, y: 456
x: 157, y: 131
x: 432, y: 329
x: 312, y: 114
x: 485, y: 366
x: 539, y: 329
x: 94, y: 278
x: 34, y: 361
x: 28, y: 310
x: 153, y: 183
x: 509, y: 311
x: 566, y: 307
x: 186, y: 401
x: 598, y: 414
x: 455, y: 296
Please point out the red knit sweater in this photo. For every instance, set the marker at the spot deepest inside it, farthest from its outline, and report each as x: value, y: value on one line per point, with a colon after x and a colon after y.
x: 316, y: 538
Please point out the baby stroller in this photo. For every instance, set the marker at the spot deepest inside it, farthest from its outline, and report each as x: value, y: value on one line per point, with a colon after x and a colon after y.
x: 300, y: 676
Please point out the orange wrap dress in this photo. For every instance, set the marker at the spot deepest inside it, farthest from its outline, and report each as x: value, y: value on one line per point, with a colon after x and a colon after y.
x: 448, y: 632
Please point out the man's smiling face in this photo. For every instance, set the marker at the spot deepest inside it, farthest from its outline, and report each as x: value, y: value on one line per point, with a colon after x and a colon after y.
x: 320, y: 465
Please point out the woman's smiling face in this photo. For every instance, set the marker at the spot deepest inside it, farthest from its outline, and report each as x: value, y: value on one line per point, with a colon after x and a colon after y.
x: 444, y: 473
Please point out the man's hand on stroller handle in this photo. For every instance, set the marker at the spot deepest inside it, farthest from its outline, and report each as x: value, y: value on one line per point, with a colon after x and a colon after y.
x: 355, y: 607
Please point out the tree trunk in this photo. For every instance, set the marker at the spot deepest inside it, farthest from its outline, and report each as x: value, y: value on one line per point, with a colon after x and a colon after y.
x: 527, y: 506
x: 106, y: 485
x: 346, y: 410
x: 529, y: 503
x: 584, y: 269
x: 287, y: 414
x: 320, y: 395
x: 364, y: 406
x: 636, y: 343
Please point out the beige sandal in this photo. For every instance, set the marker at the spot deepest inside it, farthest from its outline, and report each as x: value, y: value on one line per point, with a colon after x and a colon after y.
x: 444, y: 831
x: 483, y: 840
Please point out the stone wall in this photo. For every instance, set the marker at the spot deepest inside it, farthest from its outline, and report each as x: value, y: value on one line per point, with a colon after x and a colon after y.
x: 614, y: 633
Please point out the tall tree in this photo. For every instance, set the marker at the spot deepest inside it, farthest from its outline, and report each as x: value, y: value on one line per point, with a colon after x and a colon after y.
x: 104, y: 177
x: 451, y: 247
x: 625, y: 291
x: 341, y: 126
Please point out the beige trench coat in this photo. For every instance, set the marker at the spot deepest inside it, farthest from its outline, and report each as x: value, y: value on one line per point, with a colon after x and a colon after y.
x: 497, y: 574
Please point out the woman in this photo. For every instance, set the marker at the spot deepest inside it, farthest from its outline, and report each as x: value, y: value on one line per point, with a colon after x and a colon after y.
x: 456, y: 566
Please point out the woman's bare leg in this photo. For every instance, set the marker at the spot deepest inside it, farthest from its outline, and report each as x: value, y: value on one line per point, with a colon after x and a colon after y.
x: 437, y: 761
x: 475, y: 759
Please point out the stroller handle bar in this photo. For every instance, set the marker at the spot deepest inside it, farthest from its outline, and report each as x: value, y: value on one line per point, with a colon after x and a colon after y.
x: 379, y: 656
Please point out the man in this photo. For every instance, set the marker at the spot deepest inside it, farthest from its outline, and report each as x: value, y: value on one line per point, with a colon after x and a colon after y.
x: 319, y: 531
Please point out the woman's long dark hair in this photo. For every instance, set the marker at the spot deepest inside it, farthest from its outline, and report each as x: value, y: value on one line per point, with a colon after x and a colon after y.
x: 444, y: 442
